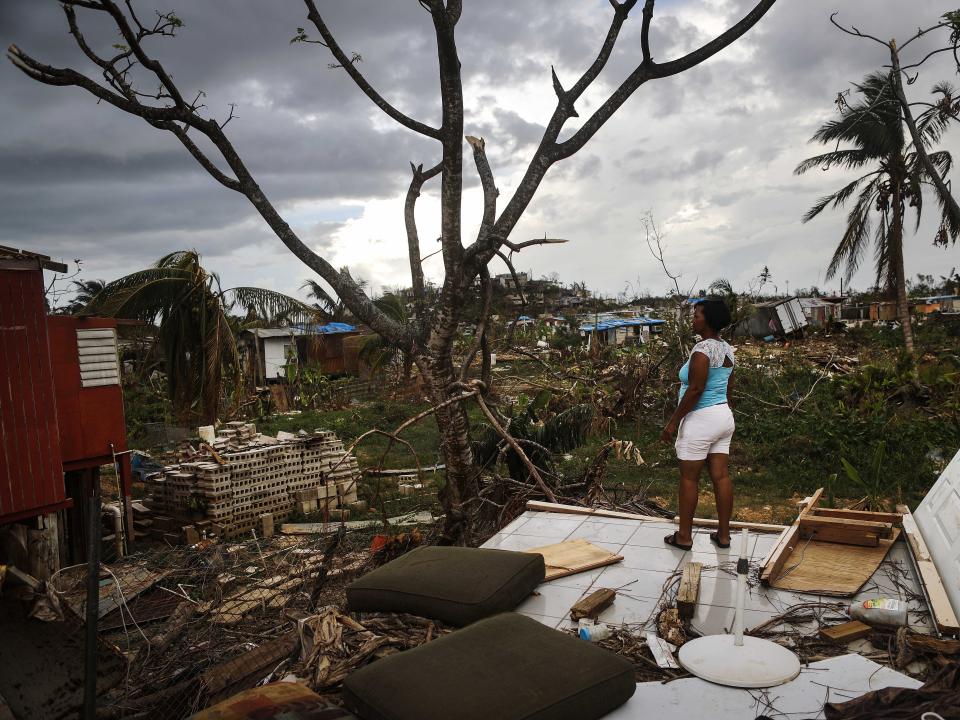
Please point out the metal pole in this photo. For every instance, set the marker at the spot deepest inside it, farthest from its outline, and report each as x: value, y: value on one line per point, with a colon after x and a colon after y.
x: 742, y: 569
x: 93, y: 601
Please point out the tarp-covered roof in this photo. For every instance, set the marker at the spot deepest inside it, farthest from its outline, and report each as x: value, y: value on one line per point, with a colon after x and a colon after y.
x: 621, y: 322
x: 332, y: 328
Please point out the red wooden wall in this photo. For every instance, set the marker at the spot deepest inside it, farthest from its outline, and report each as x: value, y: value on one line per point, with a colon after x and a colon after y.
x: 31, y: 473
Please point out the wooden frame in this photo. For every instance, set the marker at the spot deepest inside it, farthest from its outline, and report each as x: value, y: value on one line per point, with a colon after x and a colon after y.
x: 943, y: 613
x: 844, y: 527
x: 789, y: 539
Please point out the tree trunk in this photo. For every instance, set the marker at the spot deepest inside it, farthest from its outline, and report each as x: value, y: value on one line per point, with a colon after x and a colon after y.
x: 461, y: 478
x: 895, y: 241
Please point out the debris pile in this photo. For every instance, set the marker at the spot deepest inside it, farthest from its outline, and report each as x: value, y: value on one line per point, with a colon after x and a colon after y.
x: 245, y: 481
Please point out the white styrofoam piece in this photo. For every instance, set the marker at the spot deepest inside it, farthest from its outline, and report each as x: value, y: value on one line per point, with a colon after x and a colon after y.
x: 835, y: 680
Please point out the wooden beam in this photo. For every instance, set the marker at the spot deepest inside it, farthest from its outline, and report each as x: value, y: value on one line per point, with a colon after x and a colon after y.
x: 593, y: 604
x: 788, y: 541
x: 541, y: 506
x: 689, y: 591
x: 846, y: 632
x: 882, y: 517
x: 943, y: 613
x: 813, y: 523
x: 840, y: 536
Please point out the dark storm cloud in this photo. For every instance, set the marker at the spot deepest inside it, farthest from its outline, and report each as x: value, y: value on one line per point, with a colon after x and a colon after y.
x: 78, y: 179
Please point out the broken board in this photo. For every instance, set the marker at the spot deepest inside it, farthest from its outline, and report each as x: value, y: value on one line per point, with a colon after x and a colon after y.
x: 828, y: 568
x: 573, y: 556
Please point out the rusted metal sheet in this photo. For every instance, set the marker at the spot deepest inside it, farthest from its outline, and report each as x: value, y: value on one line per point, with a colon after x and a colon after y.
x: 31, y: 473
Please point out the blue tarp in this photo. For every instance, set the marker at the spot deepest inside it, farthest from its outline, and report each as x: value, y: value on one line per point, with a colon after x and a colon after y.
x: 621, y: 322
x: 332, y: 328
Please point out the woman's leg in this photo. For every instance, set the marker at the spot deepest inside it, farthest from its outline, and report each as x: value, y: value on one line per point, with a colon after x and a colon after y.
x: 689, y: 494
x: 723, y: 491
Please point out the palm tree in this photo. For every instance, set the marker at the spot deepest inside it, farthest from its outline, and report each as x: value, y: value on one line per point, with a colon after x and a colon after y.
x: 873, y: 126
x: 85, y: 291
x: 331, y: 310
x: 194, y: 329
x: 379, y: 353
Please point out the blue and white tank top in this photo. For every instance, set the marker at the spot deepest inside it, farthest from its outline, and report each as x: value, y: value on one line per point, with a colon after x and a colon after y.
x: 715, y: 391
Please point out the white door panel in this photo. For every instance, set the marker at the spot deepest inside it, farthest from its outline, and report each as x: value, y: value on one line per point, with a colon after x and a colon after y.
x: 938, y: 518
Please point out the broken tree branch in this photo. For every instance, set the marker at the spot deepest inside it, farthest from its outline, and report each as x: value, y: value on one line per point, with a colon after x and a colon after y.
x: 413, y: 239
x: 531, y: 468
x: 361, y: 82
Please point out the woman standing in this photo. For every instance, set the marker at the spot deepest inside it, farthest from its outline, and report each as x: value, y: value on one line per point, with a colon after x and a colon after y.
x: 705, y: 423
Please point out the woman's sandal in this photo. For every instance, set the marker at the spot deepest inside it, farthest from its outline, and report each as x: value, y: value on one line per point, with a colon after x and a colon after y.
x: 715, y: 539
x: 672, y: 540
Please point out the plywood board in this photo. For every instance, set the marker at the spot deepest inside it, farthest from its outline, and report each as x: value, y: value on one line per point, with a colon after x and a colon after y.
x: 831, y: 569
x: 573, y: 556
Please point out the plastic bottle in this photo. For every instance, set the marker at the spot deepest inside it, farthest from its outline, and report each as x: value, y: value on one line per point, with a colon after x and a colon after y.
x: 594, y: 633
x: 880, y: 611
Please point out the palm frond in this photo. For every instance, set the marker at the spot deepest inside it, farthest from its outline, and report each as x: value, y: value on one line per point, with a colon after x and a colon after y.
x: 854, y: 241
x: 849, y: 159
x: 835, y: 199
x: 270, y: 304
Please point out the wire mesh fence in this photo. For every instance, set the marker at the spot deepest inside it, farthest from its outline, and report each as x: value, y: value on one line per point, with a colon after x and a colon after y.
x: 194, y: 625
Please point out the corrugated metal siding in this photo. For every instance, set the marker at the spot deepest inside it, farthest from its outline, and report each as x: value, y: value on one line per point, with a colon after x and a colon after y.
x: 31, y: 473
x: 90, y: 409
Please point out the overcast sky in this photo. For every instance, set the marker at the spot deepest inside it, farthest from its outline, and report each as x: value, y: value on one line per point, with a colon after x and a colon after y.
x: 710, y: 153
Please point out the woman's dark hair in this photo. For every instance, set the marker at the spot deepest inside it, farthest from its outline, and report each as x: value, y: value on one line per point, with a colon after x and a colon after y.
x: 715, y: 313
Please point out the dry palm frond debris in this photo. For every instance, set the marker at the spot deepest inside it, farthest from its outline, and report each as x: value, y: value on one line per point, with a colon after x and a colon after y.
x: 335, y: 645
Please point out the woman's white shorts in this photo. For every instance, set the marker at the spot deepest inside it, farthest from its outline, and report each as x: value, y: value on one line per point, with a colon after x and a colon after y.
x: 704, y: 432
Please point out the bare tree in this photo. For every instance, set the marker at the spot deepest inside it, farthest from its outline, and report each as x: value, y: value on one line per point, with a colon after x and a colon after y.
x: 429, y: 337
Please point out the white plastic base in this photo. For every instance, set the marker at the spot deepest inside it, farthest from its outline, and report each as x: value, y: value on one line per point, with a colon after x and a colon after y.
x: 757, y: 663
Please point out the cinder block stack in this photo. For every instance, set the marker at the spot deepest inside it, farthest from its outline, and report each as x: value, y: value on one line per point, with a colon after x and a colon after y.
x: 260, y: 476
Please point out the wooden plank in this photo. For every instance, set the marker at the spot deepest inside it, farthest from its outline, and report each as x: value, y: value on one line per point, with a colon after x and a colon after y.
x: 846, y: 632
x: 788, y: 541
x: 542, y: 506
x: 831, y: 569
x: 813, y: 523
x: 883, y: 517
x: 573, y: 556
x: 689, y: 591
x: 944, y: 616
x: 734, y: 525
x: 247, y: 669
x: 841, y: 536
x: 593, y: 604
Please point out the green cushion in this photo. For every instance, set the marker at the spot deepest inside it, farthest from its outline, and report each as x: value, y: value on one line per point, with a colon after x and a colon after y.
x: 454, y: 584
x: 508, y: 667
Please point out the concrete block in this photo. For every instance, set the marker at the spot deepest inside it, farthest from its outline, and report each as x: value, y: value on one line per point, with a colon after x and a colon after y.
x: 358, y: 506
x: 266, y: 525
x: 190, y: 535
x: 310, y: 494
x: 307, y: 506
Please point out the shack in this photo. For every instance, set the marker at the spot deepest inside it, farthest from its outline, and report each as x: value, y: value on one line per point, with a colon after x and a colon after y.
x: 820, y: 312
x: 62, y: 414
x: 780, y: 317
x: 270, y: 350
x: 621, y: 331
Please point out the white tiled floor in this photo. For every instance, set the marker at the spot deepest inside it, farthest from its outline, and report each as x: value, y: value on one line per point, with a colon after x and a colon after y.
x: 648, y: 563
